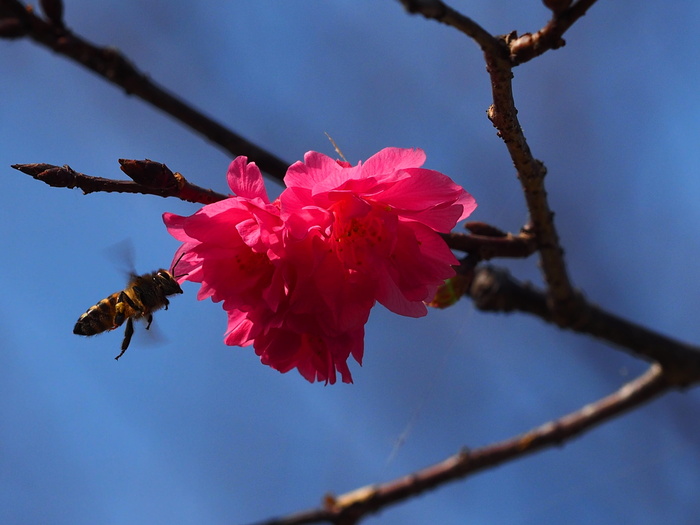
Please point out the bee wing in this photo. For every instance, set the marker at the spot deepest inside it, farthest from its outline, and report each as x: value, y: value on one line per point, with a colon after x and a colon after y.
x: 151, y: 336
x: 122, y: 253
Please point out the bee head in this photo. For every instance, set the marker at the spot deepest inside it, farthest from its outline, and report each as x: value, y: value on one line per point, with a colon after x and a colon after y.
x: 167, y: 282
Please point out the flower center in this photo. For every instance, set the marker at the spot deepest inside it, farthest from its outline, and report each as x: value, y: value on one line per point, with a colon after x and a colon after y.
x: 359, y: 240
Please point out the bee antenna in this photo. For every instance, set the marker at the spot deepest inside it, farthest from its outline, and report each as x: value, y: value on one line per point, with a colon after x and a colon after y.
x: 175, y: 266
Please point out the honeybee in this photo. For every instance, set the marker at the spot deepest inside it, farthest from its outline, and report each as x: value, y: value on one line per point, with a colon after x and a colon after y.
x: 144, y: 294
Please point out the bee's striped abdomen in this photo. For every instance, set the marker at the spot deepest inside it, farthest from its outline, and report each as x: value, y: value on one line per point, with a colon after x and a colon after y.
x: 98, y: 318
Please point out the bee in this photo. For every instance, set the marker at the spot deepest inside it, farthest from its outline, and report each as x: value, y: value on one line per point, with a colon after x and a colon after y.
x: 143, y: 295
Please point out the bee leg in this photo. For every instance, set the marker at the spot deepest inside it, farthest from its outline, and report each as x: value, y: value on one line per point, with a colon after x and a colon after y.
x: 131, y: 303
x: 139, y: 295
x: 128, y: 332
x: 165, y: 302
x: 119, y: 307
x: 150, y: 320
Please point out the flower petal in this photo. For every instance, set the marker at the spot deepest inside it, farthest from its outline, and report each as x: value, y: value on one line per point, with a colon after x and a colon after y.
x: 245, y: 179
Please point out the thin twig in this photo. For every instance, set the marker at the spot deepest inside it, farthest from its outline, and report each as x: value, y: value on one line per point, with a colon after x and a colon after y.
x: 486, y: 247
x: 531, y: 172
x: 355, y: 505
x: 529, y: 46
x: 114, y: 67
x: 441, y: 12
x: 66, y: 177
x: 523, y: 48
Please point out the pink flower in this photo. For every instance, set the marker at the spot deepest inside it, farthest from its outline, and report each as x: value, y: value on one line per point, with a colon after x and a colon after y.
x: 230, y: 246
x: 381, y: 220
x: 305, y: 331
x: 299, y: 276
x: 235, y: 248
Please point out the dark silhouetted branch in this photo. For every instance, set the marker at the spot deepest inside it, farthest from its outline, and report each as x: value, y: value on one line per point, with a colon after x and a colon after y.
x: 114, y: 67
x: 441, y: 12
x: 495, y: 290
x: 521, y: 49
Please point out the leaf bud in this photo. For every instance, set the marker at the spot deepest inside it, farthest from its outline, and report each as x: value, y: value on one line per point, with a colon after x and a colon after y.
x: 149, y: 173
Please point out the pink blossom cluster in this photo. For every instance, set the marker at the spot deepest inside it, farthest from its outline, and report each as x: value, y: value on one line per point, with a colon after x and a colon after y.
x: 299, y: 276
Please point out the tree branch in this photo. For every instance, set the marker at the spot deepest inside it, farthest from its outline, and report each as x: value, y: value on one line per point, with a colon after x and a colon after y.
x: 439, y: 11
x: 495, y: 290
x: 522, y: 49
x: 531, y: 172
x: 351, y: 507
x: 564, y: 301
x: 529, y: 46
x: 151, y: 178
x: 487, y: 242
x: 114, y: 67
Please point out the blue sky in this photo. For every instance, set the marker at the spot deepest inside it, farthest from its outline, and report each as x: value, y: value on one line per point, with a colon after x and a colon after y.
x: 185, y: 430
